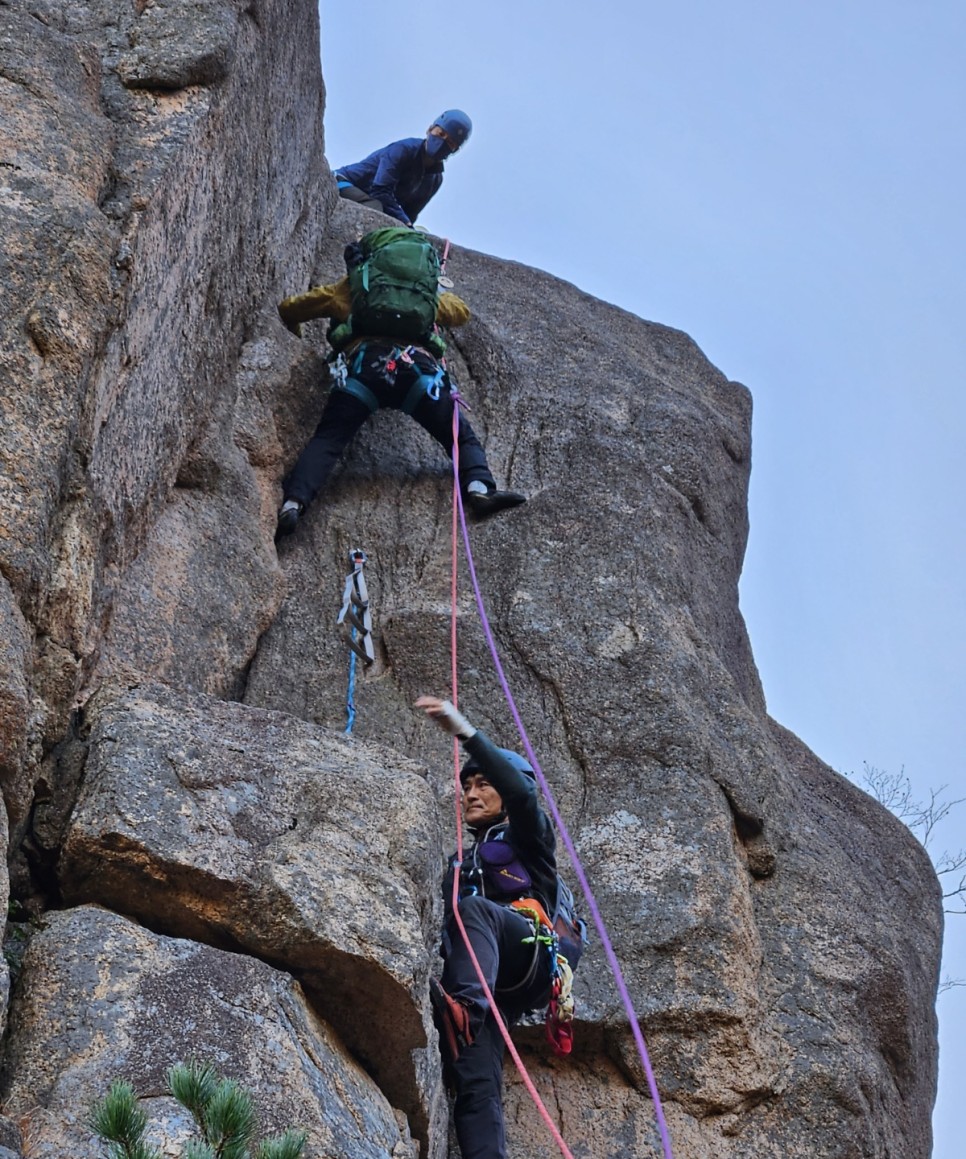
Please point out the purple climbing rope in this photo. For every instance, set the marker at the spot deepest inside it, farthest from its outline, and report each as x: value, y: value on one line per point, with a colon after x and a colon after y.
x: 457, y: 864
x: 555, y: 812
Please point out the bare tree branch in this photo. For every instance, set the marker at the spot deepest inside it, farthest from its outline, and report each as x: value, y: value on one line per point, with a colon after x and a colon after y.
x: 894, y: 790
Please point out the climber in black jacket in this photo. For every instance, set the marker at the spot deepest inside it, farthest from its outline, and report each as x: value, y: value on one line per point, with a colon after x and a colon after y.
x: 508, y: 875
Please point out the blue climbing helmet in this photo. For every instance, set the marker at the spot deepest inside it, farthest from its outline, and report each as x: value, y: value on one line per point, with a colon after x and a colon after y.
x: 456, y: 125
x: 521, y: 764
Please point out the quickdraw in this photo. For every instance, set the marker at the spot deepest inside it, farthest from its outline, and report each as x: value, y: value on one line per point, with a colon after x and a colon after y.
x: 355, y: 615
x: 356, y: 620
x: 339, y: 370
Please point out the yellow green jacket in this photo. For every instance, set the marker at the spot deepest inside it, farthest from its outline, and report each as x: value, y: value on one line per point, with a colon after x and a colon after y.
x: 334, y: 301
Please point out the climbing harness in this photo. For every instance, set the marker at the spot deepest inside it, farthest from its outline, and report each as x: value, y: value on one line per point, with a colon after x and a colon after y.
x: 495, y: 871
x: 425, y: 383
x: 542, y: 938
x: 558, y: 1023
x: 429, y: 382
x: 355, y: 617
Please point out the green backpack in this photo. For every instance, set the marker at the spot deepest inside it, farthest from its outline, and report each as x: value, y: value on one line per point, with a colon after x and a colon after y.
x: 394, y: 284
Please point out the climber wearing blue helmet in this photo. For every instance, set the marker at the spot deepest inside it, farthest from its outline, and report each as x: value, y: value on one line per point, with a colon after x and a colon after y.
x: 401, y: 178
x: 506, y: 876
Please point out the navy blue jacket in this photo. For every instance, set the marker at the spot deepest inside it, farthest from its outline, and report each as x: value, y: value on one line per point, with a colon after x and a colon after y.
x: 396, y: 176
x: 527, y: 829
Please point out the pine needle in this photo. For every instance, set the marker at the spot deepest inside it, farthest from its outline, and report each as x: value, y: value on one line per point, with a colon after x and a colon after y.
x: 222, y: 1109
x: 119, y: 1120
x: 193, y: 1084
x: 230, y: 1120
x: 287, y: 1146
x: 194, y: 1149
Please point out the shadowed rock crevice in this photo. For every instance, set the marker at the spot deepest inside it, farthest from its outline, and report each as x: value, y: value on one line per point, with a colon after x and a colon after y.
x: 40, y: 833
x: 750, y: 830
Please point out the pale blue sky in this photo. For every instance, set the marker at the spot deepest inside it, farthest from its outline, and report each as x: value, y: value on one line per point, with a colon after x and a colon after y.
x: 785, y: 182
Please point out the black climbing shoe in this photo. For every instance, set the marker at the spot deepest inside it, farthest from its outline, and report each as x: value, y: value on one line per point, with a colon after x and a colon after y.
x: 452, y: 1020
x: 288, y: 517
x: 493, y: 501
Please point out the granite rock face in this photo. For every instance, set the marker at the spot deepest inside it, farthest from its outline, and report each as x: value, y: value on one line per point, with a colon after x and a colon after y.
x: 143, y: 221
x: 103, y: 996
x: 255, y: 832
x: 202, y: 861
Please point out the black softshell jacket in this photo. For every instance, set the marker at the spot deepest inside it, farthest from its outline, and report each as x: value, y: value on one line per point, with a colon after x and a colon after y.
x: 527, y: 828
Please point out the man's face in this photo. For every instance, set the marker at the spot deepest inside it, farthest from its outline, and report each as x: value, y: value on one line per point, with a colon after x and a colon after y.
x: 482, y: 804
x: 451, y: 143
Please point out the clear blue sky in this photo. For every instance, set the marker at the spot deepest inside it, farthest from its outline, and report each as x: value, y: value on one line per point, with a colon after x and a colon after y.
x: 785, y: 182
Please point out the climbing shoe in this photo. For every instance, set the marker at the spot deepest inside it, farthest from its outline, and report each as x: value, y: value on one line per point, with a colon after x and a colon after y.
x: 483, y: 504
x: 288, y: 517
x: 452, y: 1020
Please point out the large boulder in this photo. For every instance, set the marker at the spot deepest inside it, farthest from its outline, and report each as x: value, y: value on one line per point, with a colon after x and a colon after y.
x: 104, y: 999
x: 259, y: 833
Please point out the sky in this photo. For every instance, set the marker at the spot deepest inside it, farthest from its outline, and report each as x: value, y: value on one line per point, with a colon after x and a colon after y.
x: 786, y: 183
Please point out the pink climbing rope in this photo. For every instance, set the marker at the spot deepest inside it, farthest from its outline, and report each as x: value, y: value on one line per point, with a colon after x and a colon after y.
x: 457, y: 793
x: 555, y: 813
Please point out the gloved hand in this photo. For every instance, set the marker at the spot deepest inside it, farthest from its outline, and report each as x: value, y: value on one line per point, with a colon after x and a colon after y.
x: 451, y: 310
x: 448, y: 718
x: 329, y: 301
x: 292, y: 324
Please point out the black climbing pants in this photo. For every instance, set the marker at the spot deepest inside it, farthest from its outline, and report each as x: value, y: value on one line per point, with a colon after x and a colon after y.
x: 353, y: 193
x: 496, y: 933
x: 372, y: 384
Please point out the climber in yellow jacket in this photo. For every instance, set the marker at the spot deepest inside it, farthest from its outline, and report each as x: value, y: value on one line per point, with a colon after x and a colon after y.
x: 335, y: 301
x: 388, y: 356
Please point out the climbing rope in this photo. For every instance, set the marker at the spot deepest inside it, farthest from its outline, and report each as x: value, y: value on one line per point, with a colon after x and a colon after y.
x: 598, y: 921
x: 350, y: 707
x: 459, y: 515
